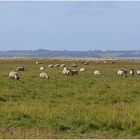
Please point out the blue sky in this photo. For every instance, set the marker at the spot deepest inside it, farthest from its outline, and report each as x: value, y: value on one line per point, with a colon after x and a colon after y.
x: 70, y: 25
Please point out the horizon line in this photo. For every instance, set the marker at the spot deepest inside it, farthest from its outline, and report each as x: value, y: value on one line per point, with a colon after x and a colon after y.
x: 65, y: 50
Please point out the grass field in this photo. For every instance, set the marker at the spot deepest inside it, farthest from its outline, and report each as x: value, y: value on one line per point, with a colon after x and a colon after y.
x: 83, y: 106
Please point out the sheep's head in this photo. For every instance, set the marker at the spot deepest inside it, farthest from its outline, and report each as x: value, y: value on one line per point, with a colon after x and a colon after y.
x: 16, y: 77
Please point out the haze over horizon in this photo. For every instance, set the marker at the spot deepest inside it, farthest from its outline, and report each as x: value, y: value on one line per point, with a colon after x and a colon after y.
x: 70, y: 25
x: 67, y: 50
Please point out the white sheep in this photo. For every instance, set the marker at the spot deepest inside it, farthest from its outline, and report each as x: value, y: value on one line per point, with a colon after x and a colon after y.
x: 38, y: 63
x: 96, y: 72
x: 82, y: 69
x: 43, y: 75
x: 66, y: 71
x: 42, y: 68
x: 132, y: 72
x: 122, y: 72
x: 50, y: 66
x: 138, y: 72
x: 62, y: 65
x: 13, y: 75
x: 56, y: 65
x: 20, y: 68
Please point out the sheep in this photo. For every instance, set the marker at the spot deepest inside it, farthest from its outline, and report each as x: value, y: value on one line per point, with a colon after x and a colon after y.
x: 56, y: 65
x: 62, y: 65
x: 44, y: 75
x: 66, y: 71
x: 82, y: 69
x: 132, y: 72
x: 122, y: 72
x: 104, y: 61
x: 13, y: 75
x: 38, y: 63
x: 73, y: 72
x: 138, y: 72
x: 96, y: 72
x: 50, y: 66
x: 20, y: 68
x: 42, y: 68
x: 74, y: 64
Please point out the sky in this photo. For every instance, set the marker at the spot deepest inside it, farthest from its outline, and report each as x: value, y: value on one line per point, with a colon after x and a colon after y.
x: 81, y: 25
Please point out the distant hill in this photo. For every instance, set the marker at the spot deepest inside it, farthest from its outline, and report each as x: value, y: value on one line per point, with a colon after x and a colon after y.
x: 41, y: 53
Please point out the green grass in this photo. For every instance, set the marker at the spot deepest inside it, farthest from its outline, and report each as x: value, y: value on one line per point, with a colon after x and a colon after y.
x: 83, y: 106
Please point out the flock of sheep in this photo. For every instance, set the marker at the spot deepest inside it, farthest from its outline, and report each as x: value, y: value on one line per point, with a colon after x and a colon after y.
x: 68, y: 71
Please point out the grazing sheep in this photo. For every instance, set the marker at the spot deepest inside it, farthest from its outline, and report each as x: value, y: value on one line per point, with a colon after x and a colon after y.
x: 38, y: 63
x: 13, y: 75
x: 42, y: 68
x: 96, y: 72
x: 20, y: 68
x: 73, y: 72
x: 82, y: 69
x: 122, y: 72
x: 44, y: 75
x: 138, y: 72
x: 66, y: 71
x: 132, y: 72
x: 56, y: 65
x: 50, y: 66
x: 62, y: 65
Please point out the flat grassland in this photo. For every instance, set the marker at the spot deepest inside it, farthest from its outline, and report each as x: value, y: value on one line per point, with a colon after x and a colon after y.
x: 83, y: 106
